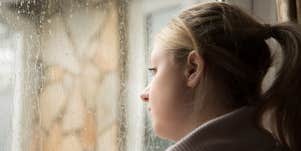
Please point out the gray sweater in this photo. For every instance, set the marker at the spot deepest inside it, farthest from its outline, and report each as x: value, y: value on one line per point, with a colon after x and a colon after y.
x: 234, y: 131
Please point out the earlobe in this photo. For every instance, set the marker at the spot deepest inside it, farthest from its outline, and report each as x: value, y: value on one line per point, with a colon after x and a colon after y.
x: 194, y: 69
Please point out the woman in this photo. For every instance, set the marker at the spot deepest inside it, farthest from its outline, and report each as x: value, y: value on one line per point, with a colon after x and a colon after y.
x: 206, y: 94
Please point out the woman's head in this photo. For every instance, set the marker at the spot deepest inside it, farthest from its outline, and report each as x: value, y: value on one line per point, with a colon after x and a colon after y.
x: 220, y: 58
x: 231, y: 43
x: 219, y: 61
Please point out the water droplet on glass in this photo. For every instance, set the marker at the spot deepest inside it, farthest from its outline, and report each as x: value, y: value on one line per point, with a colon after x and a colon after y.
x: 49, y: 32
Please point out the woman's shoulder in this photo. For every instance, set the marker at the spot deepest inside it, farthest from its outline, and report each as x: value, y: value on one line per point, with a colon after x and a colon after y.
x: 234, y: 131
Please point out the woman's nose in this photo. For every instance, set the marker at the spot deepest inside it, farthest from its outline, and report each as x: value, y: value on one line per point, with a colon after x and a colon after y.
x: 145, y: 95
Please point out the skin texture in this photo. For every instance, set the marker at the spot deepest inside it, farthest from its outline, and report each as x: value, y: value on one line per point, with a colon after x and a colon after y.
x: 172, y: 92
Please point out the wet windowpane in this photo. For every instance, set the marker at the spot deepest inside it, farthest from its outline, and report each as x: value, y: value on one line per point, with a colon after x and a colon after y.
x: 71, y: 72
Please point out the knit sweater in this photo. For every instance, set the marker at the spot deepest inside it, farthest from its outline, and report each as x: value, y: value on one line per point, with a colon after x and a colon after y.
x: 234, y: 131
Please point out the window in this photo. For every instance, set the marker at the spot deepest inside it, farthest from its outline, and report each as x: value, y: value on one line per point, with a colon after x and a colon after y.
x: 71, y: 72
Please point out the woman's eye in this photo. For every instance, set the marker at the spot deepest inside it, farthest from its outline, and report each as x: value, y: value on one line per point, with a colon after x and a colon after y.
x: 152, y: 71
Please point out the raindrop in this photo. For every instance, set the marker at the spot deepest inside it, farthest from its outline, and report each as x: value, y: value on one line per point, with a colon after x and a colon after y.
x: 49, y: 32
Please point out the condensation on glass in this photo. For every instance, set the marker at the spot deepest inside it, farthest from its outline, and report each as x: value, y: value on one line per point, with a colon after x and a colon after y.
x: 61, y: 75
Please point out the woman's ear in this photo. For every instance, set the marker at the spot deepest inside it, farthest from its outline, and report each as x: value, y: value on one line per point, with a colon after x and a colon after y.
x: 194, y: 68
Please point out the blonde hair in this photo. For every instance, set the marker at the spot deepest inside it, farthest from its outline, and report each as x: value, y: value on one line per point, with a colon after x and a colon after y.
x: 237, y: 58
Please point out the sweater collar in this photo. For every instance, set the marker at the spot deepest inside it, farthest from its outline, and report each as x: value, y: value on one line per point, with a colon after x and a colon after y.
x: 235, y: 131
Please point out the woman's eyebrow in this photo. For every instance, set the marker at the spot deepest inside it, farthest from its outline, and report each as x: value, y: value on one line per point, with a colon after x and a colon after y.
x: 152, y: 61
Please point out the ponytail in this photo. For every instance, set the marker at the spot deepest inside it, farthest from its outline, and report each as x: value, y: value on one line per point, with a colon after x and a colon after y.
x: 284, y: 96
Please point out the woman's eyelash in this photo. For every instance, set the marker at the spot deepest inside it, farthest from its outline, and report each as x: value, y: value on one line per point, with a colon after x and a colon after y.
x: 152, y: 70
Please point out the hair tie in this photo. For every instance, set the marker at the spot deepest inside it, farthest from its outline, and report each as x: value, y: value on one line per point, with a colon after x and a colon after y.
x: 268, y: 31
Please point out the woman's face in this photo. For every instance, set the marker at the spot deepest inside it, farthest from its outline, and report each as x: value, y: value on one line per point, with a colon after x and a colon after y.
x: 167, y: 95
